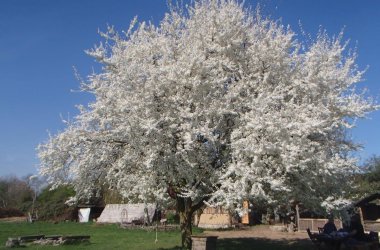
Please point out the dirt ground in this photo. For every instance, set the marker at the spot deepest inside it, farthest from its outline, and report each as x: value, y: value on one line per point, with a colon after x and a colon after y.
x: 262, y: 231
x: 13, y: 219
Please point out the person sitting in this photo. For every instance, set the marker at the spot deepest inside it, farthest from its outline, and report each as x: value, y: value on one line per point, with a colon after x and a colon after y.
x: 356, y: 230
x: 329, y: 227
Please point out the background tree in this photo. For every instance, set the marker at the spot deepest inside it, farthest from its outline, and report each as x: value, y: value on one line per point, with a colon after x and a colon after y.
x: 15, y: 196
x: 36, y: 184
x: 372, y: 173
x: 367, y: 181
x: 14, y: 192
x: 3, y: 194
x: 214, y: 105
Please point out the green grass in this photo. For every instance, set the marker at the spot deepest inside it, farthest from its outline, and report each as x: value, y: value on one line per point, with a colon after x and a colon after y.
x: 112, y: 237
x: 102, y: 236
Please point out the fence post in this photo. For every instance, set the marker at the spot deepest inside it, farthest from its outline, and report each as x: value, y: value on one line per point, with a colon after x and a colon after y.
x: 297, y: 217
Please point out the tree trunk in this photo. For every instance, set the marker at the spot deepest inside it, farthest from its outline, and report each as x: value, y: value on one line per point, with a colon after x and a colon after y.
x: 185, y: 215
x: 186, y: 209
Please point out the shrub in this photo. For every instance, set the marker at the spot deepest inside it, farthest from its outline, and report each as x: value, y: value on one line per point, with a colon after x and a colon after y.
x: 51, y: 203
x: 172, y: 218
x: 10, y: 212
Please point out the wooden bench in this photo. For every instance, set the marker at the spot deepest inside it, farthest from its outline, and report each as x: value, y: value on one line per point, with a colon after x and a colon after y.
x: 53, y: 237
x: 30, y: 238
x: 73, y: 239
x: 41, y: 239
x: 76, y: 237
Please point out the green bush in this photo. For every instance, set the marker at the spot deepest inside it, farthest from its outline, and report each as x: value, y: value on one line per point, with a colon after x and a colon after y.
x: 172, y: 218
x: 10, y: 212
x: 51, y: 203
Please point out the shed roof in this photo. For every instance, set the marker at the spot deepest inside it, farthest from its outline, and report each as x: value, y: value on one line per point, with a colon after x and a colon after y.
x: 367, y: 199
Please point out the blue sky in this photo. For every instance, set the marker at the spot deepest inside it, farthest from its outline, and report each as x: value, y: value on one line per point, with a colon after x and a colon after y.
x: 42, y: 40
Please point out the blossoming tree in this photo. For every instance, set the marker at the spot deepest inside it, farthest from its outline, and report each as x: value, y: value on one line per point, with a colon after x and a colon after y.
x: 214, y: 105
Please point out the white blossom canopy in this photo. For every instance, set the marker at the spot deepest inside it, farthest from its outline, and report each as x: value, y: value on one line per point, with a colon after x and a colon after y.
x: 218, y: 104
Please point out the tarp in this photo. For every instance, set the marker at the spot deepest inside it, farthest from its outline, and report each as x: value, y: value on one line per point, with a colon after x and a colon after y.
x: 214, y: 217
x: 215, y: 221
x: 126, y: 213
x: 84, y: 214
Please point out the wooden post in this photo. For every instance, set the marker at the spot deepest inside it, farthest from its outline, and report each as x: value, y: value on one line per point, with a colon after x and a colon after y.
x: 361, y: 217
x: 245, y: 218
x: 297, y: 217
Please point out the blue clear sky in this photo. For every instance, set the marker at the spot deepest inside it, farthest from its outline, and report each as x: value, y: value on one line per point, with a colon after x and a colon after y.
x: 41, y: 41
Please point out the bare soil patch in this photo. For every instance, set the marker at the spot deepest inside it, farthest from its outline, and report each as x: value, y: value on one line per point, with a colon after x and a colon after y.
x: 13, y: 219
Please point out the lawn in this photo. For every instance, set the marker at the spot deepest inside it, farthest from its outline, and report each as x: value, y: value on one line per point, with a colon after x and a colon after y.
x: 113, y: 237
x: 102, y: 236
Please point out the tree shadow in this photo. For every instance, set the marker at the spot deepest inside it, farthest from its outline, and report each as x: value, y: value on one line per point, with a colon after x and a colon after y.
x: 263, y: 244
x: 259, y: 244
x: 171, y: 248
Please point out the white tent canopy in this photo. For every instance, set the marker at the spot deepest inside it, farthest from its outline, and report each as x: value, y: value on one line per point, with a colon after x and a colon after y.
x: 126, y: 213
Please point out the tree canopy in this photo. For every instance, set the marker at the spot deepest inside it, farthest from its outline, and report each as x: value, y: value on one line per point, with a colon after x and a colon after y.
x: 215, y: 104
x: 367, y: 181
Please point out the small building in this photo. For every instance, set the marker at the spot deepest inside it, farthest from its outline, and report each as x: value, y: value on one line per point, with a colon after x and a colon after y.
x: 215, y: 218
x: 369, y: 211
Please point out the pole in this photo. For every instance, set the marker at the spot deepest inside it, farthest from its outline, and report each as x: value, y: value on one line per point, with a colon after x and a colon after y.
x: 297, y: 217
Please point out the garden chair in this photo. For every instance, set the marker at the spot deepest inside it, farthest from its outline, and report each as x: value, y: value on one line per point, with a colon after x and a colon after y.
x: 314, y: 239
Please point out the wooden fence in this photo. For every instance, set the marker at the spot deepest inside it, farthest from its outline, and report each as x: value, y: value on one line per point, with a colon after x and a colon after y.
x: 313, y: 224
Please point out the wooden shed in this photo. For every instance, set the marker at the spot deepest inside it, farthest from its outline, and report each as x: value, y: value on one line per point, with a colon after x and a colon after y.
x: 369, y: 210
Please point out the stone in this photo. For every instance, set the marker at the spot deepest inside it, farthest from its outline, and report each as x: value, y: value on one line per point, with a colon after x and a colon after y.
x: 203, y: 242
x: 12, y: 242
